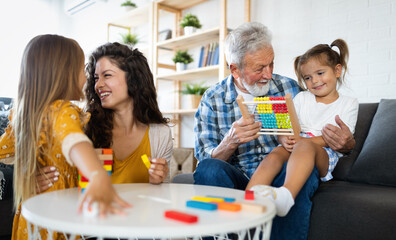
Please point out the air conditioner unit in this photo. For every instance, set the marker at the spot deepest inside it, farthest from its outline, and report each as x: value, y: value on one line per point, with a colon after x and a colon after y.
x: 74, y: 6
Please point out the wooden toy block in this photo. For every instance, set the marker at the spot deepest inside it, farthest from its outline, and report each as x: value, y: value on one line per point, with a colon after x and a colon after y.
x: 108, y: 162
x: 146, y: 161
x: 227, y: 206
x: 104, y: 157
x: 107, y: 151
x: 249, y: 195
x: 226, y: 199
x: 251, y: 207
x: 83, y: 184
x: 201, y: 205
x: 108, y: 167
x: 181, y: 216
x: 276, y: 114
x: 207, y: 199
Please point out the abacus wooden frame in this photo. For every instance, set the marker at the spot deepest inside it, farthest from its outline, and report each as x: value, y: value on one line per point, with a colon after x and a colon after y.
x: 296, y: 128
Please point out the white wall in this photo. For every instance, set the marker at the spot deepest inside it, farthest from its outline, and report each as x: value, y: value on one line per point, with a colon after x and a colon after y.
x: 19, y: 22
x: 368, y: 26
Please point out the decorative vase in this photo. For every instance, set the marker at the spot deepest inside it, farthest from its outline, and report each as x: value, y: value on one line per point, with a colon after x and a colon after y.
x: 189, y: 30
x: 180, y: 66
x: 195, y: 100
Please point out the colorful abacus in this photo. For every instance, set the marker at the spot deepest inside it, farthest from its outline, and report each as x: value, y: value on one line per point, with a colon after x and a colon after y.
x: 276, y: 114
x: 106, y: 157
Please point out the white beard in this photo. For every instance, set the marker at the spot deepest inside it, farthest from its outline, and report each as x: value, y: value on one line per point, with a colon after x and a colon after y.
x: 255, y: 90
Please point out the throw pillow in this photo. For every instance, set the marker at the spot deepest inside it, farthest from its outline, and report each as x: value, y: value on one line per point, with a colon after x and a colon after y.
x: 376, y: 162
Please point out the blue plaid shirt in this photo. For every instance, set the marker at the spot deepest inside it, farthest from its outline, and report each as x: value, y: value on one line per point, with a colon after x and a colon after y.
x: 217, y: 111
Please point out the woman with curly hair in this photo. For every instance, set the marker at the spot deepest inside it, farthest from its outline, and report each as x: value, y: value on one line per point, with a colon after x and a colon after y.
x: 125, y: 116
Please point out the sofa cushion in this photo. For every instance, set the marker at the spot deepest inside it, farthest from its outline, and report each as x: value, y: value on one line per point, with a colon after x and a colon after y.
x: 365, y: 118
x: 376, y: 162
x: 344, y: 210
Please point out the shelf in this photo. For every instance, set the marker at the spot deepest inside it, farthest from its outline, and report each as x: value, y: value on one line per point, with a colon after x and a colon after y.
x: 180, y: 4
x: 210, y: 71
x: 180, y: 111
x: 134, y: 17
x: 196, y: 39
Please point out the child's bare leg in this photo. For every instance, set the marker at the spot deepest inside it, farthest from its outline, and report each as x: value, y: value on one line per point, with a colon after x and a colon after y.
x: 269, y: 167
x: 299, y: 167
x: 304, y: 157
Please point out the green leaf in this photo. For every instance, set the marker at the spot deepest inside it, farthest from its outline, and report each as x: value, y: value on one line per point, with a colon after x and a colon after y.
x: 190, y: 20
x: 183, y: 57
x: 194, y: 88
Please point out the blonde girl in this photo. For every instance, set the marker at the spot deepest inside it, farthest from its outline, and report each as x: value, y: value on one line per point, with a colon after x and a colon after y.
x: 319, y: 71
x: 46, y: 128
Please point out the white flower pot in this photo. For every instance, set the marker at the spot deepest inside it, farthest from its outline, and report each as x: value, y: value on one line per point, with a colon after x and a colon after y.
x: 180, y: 66
x: 189, y: 30
x: 128, y: 8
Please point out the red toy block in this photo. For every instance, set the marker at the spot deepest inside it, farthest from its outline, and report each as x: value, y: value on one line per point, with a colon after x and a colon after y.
x: 249, y: 195
x: 181, y: 216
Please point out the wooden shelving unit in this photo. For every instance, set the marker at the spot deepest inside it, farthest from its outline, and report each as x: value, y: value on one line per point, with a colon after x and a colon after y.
x: 151, y: 14
x: 134, y: 18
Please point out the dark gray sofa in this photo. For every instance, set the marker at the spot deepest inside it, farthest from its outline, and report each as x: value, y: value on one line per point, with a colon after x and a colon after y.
x: 6, y: 175
x: 360, y: 202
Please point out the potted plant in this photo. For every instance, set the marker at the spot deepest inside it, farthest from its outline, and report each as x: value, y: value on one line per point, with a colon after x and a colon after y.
x: 190, y: 23
x: 130, y: 38
x: 195, y: 91
x: 181, y: 59
x: 128, y: 5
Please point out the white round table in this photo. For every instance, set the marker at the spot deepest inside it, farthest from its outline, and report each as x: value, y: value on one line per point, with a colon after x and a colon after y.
x: 57, y: 211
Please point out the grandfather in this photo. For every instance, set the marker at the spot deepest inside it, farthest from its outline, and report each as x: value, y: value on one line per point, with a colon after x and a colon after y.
x: 228, y: 147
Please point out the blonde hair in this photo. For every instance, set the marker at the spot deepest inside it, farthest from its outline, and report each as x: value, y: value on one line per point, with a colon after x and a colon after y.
x: 50, y: 70
x: 326, y: 55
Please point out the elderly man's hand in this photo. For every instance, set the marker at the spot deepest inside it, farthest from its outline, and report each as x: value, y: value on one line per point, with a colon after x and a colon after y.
x: 243, y: 131
x: 339, y: 138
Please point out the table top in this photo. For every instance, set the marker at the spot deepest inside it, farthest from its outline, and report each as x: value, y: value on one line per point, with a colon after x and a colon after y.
x: 57, y: 211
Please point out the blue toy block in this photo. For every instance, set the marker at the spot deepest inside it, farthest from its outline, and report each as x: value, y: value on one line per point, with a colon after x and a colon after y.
x: 201, y: 205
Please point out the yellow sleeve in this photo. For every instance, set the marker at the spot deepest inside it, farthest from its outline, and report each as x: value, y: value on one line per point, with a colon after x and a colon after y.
x: 7, y: 142
x: 68, y: 128
x: 67, y: 121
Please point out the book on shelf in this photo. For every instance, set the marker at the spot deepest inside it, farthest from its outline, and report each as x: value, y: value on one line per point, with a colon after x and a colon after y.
x: 209, y: 55
x: 201, y: 55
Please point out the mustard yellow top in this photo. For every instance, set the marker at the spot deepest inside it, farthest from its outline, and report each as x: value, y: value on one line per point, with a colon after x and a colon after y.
x: 132, y: 169
x: 64, y: 118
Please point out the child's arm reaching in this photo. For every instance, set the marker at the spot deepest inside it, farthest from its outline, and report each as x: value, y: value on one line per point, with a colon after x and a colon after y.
x: 100, y: 189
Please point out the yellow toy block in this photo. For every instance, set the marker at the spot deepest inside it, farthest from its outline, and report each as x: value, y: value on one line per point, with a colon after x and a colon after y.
x: 107, y: 167
x: 146, y: 161
x: 83, y: 184
x: 207, y: 199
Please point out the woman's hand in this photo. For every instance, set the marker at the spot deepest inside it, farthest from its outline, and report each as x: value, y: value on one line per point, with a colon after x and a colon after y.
x: 158, y: 170
x: 101, y: 192
x: 45, y: 178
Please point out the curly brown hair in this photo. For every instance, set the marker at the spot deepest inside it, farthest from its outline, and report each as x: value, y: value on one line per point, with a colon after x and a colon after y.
x: 141, y: 89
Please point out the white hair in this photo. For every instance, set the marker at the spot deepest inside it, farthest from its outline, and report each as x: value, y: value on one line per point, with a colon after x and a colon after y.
x: 247, y: 38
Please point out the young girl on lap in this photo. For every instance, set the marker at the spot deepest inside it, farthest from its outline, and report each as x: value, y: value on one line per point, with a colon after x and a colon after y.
x: 46, y: 129
x: 319, y: 71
